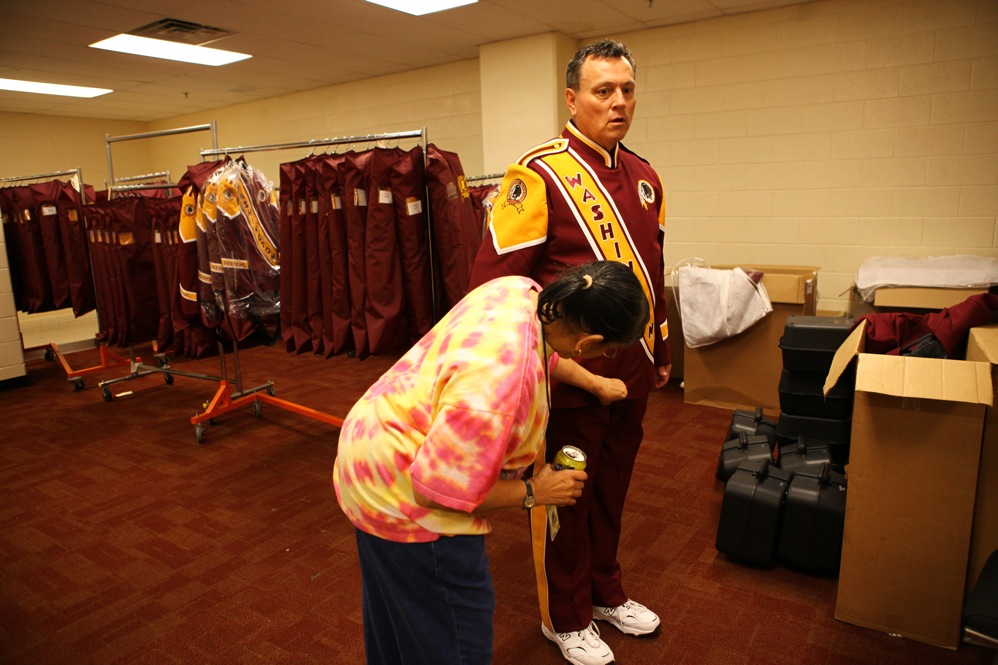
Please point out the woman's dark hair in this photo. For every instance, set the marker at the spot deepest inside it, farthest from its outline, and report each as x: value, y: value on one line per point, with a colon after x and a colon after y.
x: 603, y: 49
x: 603, y: 298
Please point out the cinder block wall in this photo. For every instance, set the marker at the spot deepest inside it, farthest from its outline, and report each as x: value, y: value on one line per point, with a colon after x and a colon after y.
x: 819, y: 134
x: 825, y: 133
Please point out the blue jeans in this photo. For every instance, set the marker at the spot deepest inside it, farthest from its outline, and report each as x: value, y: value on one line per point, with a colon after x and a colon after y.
x: 426, y: 603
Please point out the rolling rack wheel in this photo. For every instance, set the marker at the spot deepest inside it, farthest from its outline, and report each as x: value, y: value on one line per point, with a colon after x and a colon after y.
x: 271, y: 391
x: 168, y: 378
x: 49, y: 354
x: 106, y: 393
x: 199, y: 432
x: 257, y: 409
x: 163, y: 360
x: 77, y: 385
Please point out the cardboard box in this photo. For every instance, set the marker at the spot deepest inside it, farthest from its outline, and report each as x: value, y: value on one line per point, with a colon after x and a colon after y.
x: 982, y: 346
x: 913, y: 466
x: 743, y: 372
x: 916, y: 297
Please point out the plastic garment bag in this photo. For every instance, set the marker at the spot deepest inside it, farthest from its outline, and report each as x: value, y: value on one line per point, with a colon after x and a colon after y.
x: 717, y: 304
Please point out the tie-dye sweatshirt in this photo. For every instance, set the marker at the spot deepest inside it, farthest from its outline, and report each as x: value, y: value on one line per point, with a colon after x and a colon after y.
x: 466, y: 405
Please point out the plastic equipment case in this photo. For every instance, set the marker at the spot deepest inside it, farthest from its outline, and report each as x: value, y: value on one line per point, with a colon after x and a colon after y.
x: 809, y: 342
x: 813, y: 520
x: 835, y: 432
x: 804, y: 455
x: 751, y: 511
x: 802, y: 394
x: 752, y: 423
x: 743, y: 449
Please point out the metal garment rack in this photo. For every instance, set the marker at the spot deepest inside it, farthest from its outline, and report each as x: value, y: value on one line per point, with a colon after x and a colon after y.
x: 159, y: 176
x: 137, y: 367
x: 225, y: 400
x: 108, y: 359
x: 487, y: 176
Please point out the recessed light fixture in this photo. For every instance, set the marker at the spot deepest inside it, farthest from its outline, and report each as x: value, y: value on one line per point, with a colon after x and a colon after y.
x: 52, y: 88
x: 160, y: 48
x: 420, y: 7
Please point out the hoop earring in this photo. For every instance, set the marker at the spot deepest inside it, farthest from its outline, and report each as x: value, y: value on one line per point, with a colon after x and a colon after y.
x: 576, y: 352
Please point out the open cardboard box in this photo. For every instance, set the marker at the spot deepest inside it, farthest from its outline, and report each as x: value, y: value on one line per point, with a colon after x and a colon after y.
x: 982, y: 346
x: 921, y: 297
x: 913, y: 468
x: 743, y: 372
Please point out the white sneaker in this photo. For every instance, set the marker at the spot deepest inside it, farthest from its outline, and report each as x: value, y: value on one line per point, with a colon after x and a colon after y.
x: 632, y: 618
x: 583, y: 647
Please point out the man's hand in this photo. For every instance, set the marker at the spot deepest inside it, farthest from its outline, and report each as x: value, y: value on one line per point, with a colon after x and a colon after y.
x: 663, y: 375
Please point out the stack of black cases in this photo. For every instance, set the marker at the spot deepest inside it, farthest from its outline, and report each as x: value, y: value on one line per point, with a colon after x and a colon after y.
x: 806, y: 414
x: 784, y: 494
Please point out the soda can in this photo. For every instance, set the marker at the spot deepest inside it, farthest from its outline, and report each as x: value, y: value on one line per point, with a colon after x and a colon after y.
x: 569, y: 457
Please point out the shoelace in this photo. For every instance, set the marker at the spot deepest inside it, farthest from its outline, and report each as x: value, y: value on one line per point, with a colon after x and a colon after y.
x: 589, y: 635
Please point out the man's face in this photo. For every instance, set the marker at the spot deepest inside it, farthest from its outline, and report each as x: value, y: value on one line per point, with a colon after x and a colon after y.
x: 604, y: 104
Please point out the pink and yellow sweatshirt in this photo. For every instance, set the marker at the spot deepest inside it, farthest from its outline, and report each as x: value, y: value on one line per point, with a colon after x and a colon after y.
x: 466, y: 405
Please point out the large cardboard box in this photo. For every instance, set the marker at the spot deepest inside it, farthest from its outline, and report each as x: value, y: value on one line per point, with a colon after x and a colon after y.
x: 914, y: 457
x: 919, y: 297
x: 982, y: 346
x: 743, y: 372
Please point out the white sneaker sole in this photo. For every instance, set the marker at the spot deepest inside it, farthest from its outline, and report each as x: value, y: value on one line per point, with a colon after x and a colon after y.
x: 554, y: 638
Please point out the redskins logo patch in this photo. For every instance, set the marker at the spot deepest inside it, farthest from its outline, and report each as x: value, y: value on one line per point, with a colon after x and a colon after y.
x: 645, y: 193
x: 516, y: 195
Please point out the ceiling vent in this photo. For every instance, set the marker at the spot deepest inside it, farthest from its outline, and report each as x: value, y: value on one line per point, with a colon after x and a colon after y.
x: 185, y: 32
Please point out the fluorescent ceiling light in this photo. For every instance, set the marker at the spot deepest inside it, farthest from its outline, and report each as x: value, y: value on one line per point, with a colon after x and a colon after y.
x: 52, y: 88
x: 420, y: 7
x: 160, y: 48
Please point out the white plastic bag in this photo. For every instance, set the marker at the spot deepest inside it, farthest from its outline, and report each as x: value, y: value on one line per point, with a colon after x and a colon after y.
x: 716, y: 304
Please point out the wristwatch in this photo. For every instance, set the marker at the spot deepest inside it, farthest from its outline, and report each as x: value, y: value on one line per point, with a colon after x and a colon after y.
x: 528, y: 501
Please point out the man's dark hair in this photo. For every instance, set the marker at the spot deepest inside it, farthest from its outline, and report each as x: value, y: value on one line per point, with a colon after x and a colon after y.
x: 603, y: 49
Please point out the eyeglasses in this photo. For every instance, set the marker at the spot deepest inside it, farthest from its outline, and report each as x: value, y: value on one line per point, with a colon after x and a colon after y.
x: 610, y: 353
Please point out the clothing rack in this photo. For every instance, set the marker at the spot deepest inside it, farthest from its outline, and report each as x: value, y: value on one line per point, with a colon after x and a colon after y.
x: 137, y: 368
x: 108, y: 359
x: 487, y: 176
x: 225, y: 400
x: 159, y: 175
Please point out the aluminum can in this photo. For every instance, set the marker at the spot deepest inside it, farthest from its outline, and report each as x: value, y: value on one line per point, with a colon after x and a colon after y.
x: 569, y: 457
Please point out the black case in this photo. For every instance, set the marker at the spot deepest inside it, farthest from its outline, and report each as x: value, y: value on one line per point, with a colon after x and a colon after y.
x: 834, y: 432
x: 740, y: 450
x: 751, y: 512
x: 809, y: 342
x: 813, y: 520
x: 752, y: 423
x: 802, y: 393
x: 803, y: 455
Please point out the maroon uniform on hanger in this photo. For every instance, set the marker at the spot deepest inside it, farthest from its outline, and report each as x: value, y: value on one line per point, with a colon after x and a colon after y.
x: 45, y: 195
x: 355, y: 212
x: 385, y: 309
x: 337, y: 333
x: 408, y: 179
x: 456, y: 232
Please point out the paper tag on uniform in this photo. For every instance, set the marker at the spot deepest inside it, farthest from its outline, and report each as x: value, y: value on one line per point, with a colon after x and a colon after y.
x: 315, y: 206
x: 359, y: 197
x: 158, y: 236
x: 337, y: 202
x: 48, y: 211
x: 553, y: 523
x: 414, y: 206
x: 384, y: 196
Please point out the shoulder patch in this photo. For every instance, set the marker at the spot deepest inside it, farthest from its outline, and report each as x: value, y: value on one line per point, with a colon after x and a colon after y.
x: 549, y: 148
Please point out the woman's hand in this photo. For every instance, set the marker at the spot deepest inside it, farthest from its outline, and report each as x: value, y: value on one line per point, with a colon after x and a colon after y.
x: 610, y: 390
x: 557, y: 488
